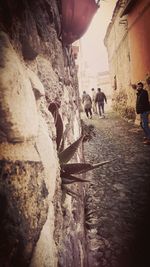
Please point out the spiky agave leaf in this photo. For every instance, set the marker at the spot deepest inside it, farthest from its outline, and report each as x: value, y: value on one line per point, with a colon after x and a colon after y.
x: 59, y: 130
x: 71, y: 192
x: 72, y: 168
x: 69, y: 179
x: 69, y: 152
x: 61, y: 146
x: 89, y: 215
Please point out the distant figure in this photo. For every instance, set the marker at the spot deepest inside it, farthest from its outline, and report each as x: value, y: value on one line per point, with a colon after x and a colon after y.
x: 143, y: 108
x: 94, y: 108
x: 87, y: 102
x: 99, y: 99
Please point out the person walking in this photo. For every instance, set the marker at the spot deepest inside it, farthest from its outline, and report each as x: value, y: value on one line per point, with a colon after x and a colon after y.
x: 100, y: 99
x: 94, y: 108
x: 87, y: 102
x: 143, y: 108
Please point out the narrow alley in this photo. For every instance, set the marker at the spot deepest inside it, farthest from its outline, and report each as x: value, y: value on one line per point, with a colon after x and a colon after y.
x: 58, y: 60
x: 118, y: 196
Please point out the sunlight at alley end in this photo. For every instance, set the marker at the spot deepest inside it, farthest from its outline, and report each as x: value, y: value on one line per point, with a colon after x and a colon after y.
x: 74, y: 133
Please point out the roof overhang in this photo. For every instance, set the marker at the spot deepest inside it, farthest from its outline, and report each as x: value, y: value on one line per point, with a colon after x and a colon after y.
x: 76, y: 18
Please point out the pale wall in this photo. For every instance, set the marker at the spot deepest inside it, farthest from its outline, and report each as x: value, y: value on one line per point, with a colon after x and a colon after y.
x: 117, y: 43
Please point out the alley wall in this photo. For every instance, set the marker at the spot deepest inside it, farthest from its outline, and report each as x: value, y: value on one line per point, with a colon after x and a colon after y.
x: 127, y: 40
x: 40, y: 224
x: 139, y: 39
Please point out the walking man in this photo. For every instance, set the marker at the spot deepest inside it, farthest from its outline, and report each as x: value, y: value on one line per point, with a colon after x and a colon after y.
x: 87, y: 102
x: 94, y: 108
x: 100, y: 99
x: 143, y: 108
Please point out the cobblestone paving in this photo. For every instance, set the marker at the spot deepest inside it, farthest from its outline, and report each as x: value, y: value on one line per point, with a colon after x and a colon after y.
x: 118, y: 196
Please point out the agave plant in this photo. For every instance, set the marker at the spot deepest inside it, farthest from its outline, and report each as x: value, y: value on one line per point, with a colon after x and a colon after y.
x: 69, y: 170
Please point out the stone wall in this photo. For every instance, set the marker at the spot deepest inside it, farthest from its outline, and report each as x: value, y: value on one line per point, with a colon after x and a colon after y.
x: 40, y: 224
x: 117, y: 43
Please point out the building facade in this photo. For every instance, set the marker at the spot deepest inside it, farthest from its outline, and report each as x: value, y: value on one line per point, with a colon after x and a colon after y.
x: 127, y: 40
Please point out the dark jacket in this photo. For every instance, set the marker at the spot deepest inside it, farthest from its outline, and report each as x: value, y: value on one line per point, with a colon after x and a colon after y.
x: 100, y: 97
x: 142, y: 102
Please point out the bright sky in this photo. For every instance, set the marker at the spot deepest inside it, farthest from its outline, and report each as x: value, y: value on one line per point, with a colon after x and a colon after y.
x: 93, y: 47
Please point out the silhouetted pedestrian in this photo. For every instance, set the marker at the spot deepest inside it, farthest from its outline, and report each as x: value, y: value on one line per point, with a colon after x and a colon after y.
x: 99, y: 99
x: 143, y: 108
x: 94, y: 108
x: 87, y: 102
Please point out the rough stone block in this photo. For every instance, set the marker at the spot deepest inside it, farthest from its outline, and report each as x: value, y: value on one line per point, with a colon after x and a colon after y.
x: 23, y: 210
x: 18, y: 110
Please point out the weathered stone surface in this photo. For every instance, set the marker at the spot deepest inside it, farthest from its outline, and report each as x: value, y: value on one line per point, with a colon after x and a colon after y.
x: 19, y: 121
x: 27, y: 51
x: 24, y: 194
x: 43, y: 153
x: 49, y: 78
x: 45, y: 253
x: 19, y: 151
x: 73, y: 244
x: 48, y: 156
x: 35, y: 61
x: 37, y: 86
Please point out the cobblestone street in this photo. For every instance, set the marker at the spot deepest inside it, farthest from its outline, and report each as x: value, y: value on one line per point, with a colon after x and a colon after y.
x: 118, y: 197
